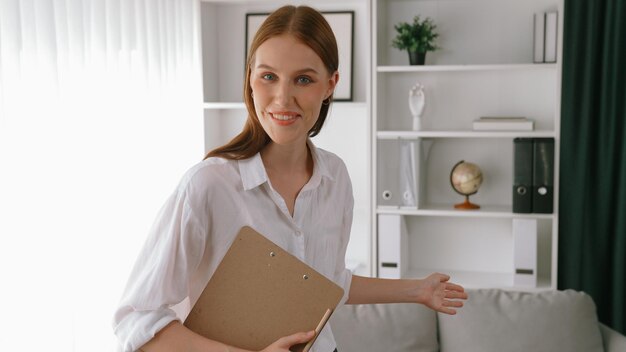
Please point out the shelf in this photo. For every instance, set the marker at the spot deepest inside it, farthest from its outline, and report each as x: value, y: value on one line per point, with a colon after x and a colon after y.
x: 353, y: 104
x: 447, y: 210
x: 242, y: 106
x: 224, y: 106
x: 461, y: 134
x: 272, y: 3
x: 452, y: 68
x: 474, y: 280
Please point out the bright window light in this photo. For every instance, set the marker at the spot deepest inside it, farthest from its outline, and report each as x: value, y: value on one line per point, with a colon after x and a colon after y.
x: 100, y: 116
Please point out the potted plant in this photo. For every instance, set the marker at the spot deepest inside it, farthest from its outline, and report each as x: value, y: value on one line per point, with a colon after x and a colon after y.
x: 417, y: 38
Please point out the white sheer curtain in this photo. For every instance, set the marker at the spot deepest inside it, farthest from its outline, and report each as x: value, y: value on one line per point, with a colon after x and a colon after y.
x: 100, y: 116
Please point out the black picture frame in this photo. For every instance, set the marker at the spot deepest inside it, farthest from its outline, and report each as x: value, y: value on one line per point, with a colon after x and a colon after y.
x: 342, y: 23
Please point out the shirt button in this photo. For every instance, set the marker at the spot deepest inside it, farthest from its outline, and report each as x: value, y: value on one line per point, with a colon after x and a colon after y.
x: 298, y: 233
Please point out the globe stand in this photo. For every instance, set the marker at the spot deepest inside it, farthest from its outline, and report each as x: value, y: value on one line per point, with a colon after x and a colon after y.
x: 467, y: 205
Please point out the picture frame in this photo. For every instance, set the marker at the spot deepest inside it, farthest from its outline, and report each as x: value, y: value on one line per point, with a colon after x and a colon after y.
x: 342, y: 24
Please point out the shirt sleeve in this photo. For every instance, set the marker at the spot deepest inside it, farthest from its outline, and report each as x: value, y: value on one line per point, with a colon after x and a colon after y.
x: 161, y: 274
x: 343, y: 275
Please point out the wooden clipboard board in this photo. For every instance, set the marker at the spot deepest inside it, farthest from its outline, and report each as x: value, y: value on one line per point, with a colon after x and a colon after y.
x: 260, y: 293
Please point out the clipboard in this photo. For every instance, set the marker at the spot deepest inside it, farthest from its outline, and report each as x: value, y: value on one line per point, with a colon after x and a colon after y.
x: 260, y: 293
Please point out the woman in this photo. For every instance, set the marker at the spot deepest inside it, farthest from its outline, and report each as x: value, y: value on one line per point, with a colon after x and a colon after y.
x: 270, y: 177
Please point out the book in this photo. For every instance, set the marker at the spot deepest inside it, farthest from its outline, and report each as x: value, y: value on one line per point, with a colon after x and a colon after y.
x: 260, y: 293
x: 551, y: 37
x: 503, y: 124
x: 539, y: 36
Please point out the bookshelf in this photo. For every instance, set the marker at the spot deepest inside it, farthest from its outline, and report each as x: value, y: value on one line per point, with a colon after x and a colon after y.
x: 484, y: 68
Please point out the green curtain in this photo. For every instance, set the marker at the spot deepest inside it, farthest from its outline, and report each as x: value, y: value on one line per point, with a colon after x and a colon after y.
x: 592, y: 202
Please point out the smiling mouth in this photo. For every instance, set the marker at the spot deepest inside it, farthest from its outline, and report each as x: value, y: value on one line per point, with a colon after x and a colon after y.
x: 283, y: 117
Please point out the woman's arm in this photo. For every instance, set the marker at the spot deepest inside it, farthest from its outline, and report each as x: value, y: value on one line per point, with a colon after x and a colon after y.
x: 434, y: 292
x: 176, y: 337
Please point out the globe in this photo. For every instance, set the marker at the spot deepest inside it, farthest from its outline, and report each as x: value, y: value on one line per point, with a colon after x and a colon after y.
x: 465, y: 179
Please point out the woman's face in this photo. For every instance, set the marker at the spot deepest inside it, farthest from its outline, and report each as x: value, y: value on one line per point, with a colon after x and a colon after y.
x: 289, y: 82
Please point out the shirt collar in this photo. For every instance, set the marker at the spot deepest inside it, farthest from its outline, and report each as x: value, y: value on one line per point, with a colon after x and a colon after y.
x: 253, y: 172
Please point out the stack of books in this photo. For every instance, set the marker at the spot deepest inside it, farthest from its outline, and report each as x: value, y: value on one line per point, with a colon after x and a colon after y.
x: 493, y: 123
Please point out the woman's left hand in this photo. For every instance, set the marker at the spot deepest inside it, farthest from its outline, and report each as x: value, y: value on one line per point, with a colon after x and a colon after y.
x: 438, y: 294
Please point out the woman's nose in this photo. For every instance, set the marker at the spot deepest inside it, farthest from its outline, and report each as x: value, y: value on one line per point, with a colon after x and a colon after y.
x: 284, y: 93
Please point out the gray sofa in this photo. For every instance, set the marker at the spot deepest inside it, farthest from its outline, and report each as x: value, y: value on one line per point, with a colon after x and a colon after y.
x: 491, y: 320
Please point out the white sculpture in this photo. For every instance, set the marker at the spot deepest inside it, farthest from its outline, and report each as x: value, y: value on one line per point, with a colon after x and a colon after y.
x: 417, y: 101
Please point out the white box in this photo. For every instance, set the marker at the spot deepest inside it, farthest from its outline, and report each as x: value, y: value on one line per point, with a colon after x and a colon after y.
x: 392, y: 246
x: 525, y: 252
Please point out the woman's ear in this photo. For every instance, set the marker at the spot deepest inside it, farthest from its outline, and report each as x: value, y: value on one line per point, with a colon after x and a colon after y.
x: 332, y: 83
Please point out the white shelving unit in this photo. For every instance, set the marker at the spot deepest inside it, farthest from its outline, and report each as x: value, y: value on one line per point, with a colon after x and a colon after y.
x: 484, y: 68
x: 450, y: 68
x: 223, y: 49
x: 414, y: 135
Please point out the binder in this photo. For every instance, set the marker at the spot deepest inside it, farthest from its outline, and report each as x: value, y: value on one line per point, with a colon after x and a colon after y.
x: 551, y: 36
x: 525, y: 252
x: 539, y: 36
x: 543, y: 173
x: 392, y: 246
x: 408, y: 173
x: 389, y: 183
x: 522, y: 175
x: 260, y: 293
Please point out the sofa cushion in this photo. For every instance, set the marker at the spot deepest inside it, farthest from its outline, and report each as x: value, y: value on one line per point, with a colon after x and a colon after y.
x: 400, y: 327
x: 497, y: 320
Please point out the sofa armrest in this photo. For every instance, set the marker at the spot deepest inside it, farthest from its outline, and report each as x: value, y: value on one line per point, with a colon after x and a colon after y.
x: 613, y: 341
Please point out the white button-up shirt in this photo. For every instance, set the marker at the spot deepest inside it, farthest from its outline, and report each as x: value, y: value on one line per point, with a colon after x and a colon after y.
x: 197, y: 224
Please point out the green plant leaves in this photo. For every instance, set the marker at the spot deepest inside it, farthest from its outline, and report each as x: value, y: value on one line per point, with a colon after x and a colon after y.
x: 419, y: 36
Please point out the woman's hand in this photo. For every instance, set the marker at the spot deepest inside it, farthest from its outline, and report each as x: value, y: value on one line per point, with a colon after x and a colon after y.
x: 434, y: 291
x: 283, y: 344
x: 438, y: 294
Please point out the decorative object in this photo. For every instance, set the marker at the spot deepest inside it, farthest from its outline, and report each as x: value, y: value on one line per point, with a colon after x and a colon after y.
x: 342, y: 24
x: 465, y: 179
x: 417, y: 101
x: 416, y: 38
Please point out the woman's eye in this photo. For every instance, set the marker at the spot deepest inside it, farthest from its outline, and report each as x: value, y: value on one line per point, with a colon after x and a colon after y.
x: 304, y: 80
x: 268, y: 76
